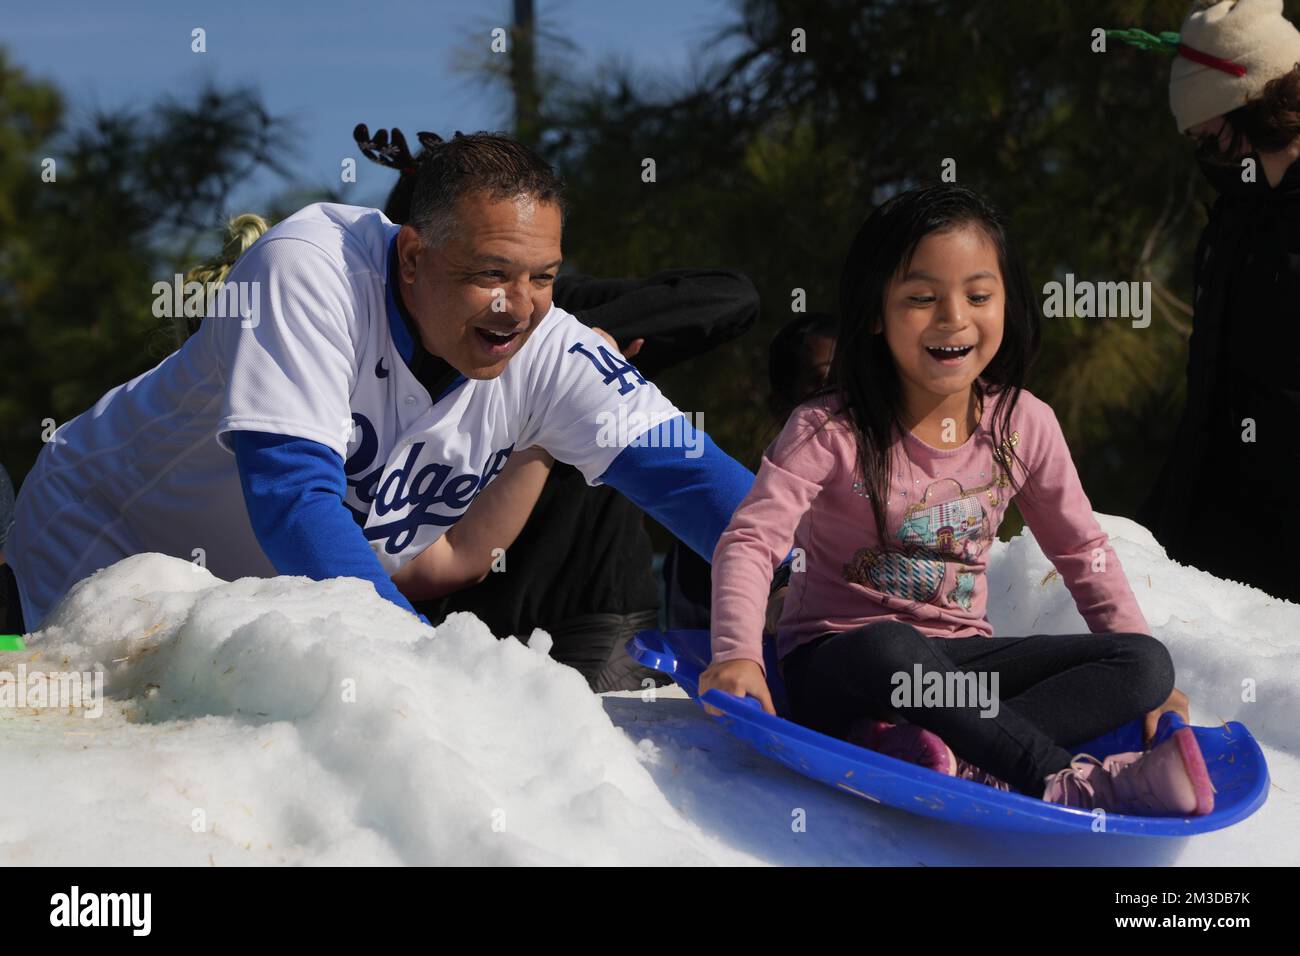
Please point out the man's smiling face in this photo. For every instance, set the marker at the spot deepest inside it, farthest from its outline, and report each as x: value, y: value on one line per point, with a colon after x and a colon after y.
x: 478, y: 297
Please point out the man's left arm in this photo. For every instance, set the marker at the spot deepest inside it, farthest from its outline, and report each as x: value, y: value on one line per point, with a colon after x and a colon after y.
x: 682, y: 480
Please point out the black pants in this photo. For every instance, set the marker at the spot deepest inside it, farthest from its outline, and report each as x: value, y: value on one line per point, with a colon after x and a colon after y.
x: 11, y: 609
x: 1054, y: 691
x: 593, y: 644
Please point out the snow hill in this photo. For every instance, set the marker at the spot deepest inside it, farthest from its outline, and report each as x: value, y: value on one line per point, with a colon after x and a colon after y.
x: 289, y: 721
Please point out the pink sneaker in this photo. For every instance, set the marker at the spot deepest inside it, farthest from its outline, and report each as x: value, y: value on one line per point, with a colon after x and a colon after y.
x: 1168, y: 781
x: 904, y: 742
x: 968, y: 771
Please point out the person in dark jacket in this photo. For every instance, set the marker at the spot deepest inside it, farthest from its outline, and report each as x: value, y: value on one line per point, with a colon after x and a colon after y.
x: 11, y: 621
x: 581, y: 568
x: 798, y: 363
x: 1223, y: 501
x: 6, y: 510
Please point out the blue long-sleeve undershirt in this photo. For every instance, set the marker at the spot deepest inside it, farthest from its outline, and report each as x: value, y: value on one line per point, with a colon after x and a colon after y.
x: 294, y: 490
x: 693, y: 497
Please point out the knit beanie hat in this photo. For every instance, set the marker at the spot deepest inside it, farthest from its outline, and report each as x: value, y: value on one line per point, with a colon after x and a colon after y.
x: 1227, y: 51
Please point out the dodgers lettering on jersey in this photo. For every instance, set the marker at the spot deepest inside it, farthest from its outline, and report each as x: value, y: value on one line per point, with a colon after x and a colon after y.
x: 149, y: 467
x: 422, y: 494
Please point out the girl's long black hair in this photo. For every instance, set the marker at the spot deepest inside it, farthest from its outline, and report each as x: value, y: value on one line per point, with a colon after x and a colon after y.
x: 863, y: 375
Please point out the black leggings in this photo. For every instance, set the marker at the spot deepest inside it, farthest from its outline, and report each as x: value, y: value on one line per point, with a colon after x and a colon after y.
x: 1054, y: 691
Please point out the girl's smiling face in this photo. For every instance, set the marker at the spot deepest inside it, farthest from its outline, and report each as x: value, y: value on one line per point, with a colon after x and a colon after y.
x: 943, y: 318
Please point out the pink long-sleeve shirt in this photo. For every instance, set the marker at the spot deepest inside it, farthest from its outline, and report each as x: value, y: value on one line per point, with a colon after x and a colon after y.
x: 942, y: 514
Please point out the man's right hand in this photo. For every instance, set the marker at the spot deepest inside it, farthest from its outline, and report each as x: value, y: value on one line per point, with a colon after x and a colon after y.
x: 631, y: 348
x: 742, y: 678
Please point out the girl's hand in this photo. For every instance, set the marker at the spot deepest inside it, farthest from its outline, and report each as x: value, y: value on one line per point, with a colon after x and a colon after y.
x: 1177, y: 702
x: 742, y: 678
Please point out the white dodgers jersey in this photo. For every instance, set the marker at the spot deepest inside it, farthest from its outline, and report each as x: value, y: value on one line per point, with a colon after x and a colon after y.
x: 149, y: 468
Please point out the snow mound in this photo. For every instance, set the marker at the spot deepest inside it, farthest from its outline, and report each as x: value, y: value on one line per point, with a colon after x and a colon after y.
x: 291, y: 721
x: 1236, y: 650
x: 286, y: 720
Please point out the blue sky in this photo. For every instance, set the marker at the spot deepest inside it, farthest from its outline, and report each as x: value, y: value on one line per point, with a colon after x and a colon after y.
x: 331, y: 64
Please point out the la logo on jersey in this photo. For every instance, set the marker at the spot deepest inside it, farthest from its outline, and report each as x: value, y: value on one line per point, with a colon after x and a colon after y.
x: 409, y: 492
x: 613, y: 367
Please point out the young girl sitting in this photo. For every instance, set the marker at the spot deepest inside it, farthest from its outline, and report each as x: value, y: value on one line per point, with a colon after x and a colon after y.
x: 891, y: 485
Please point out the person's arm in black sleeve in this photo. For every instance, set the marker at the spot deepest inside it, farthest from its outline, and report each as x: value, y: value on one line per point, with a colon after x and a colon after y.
x: 680, y: 313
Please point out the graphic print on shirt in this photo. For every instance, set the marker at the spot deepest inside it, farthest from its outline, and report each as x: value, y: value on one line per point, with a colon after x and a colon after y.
x: 949, y: 525
x: 963, y: 591
x: 407, y: 494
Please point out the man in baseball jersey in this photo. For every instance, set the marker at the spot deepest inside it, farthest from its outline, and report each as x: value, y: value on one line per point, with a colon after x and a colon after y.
x: 372, y: 382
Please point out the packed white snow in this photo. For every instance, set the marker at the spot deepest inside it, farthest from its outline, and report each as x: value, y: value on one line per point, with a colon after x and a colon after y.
x: 292, y: 721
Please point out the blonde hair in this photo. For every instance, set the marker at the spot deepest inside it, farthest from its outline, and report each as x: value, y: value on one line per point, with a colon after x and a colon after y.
x: 241, y: 233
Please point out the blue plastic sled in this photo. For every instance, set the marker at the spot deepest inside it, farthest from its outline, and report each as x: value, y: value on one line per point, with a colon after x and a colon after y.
x: 1236, y: 765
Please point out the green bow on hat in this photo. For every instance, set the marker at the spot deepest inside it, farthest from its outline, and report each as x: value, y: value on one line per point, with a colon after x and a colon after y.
x: 1166, y: 42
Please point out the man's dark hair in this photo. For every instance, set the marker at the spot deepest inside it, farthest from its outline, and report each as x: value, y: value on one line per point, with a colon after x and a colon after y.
x: 500, y: 167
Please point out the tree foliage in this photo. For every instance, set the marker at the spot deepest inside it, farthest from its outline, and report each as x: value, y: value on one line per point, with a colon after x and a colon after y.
x: 771, y: 159
x: 134, y: 194
x: 767, y: 158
